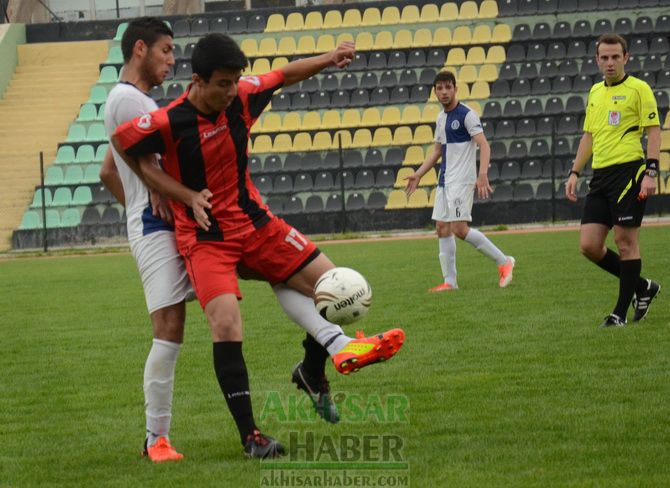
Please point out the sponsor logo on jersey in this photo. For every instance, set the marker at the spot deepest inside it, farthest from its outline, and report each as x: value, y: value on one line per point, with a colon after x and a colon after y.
x: 254, y: 80
x: 614, y: 117
x: 619, y: 97
x: 214, y: 131
x: 455, y: 125
x: 144, y: 122
x: 652, y: 116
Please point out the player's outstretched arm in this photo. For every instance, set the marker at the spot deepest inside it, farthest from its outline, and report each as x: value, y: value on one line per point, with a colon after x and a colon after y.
x: 584, y: 152
x: 431, y: 160
x: 302, y: 69
x: 109, y: 175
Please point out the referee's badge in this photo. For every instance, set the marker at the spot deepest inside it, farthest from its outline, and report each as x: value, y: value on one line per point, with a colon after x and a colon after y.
x: 614, y: 117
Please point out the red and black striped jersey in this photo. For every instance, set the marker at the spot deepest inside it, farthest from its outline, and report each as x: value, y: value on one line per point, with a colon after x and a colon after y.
x: 208, y: 151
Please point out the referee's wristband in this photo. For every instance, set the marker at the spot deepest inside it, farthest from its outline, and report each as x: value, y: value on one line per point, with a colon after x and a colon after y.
x: 573, y: 172
x: 652, y: 164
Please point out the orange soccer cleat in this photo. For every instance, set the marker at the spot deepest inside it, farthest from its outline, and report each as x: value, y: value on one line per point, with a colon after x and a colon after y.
x: 442, y: 287
x: 505, y: 272
x: 161, y: 451
x: 363, y: 351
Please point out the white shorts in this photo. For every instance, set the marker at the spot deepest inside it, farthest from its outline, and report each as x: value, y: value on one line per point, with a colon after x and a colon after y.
x: 454, y: 203
x: 162, y: 270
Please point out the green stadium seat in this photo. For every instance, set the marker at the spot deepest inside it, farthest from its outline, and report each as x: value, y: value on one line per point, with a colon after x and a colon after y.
x: 54, y: 176
x: 108, y: 74
x: 71, y: 218
x: 96, y: 132
x: 31, y: 220
x: 53, y: 218
x: 73, y: 176
x: 92, y: 174
x: 62, y: 197
x: 82, y: 196
x: 87, y: 113
x: 85, y: 154
x: 120, y: 30
x: 65, y: 155
x: 100, y: 152
x: 98, y: 94
x: 76, y: 132
x: 101, y: 112
x: 37, y: 198
x: 115, y: 56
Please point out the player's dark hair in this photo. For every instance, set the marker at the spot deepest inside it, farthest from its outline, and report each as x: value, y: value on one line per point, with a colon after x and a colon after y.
x: 147, y: 29
x: 216, y: 51
x: 445, y: 77
x: 612, y: 39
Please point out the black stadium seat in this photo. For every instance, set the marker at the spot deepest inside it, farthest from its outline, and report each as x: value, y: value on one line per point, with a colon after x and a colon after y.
x: 547, y: 6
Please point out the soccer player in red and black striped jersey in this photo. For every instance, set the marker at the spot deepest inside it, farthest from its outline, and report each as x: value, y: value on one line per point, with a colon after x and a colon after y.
x: 221, y: 221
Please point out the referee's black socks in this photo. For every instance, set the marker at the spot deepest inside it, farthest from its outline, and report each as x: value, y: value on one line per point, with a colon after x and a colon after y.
x: 612, y: 264
x: 234, y: 382
x: 629, y: 277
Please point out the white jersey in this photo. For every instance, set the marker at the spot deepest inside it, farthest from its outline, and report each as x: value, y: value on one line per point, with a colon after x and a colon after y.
x: 126, y: 102
x: 454, y: 130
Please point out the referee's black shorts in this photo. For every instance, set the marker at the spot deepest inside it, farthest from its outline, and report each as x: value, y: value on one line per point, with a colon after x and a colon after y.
x: 613, y: 196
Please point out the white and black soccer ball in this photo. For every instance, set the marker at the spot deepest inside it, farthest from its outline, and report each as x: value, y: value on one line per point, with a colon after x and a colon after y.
x: 342, y: 296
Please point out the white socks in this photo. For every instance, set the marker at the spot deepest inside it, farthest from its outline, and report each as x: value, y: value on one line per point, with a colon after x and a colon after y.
x: 158, y: 386
x: 486, y: 247
x: 301, y: 310
x: 447, y: 258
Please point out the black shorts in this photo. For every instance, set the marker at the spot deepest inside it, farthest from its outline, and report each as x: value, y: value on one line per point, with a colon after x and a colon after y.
x: 613, y: 196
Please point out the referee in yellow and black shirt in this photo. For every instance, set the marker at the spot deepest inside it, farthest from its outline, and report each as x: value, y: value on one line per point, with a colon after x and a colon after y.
x: 619, y: 109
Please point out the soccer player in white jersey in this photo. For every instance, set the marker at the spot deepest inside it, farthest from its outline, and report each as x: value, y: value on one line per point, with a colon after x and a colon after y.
x: 458, y: 132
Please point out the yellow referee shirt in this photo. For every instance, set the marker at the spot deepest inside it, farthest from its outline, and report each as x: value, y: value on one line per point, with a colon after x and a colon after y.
x: 616, y: 117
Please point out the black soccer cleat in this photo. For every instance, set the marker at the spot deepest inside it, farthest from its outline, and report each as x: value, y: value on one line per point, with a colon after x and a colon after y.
x: 262, y: 446
x: 318, y: 391
x: 642, y: 302
x: 613, y: 320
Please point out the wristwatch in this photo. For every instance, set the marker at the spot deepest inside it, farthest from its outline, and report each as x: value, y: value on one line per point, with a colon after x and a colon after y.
x: 651, y: 172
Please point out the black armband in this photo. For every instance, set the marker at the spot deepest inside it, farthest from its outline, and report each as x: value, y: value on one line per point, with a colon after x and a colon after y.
x: 652, y: 164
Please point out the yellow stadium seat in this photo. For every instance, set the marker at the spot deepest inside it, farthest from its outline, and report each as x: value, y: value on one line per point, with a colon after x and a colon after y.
x: 488, y: 9
x: 456, y: 56
x: 294, y: 22
x: 383, y: 41
x: 282, y: 143
x: 429, y: 179
x: 414, y: 156
x: 488, y: 72
x: 461, y: 35
x: 664, y: 162
x: 390, y: 16
x: 429, y: 113
x: 347, y: 37
x: 442, y: 37
x: 402, y: 39
x: 423, y: 38
x: 332, y: 19
x: 496, y: 55
x: 313, y: 21
x: 397, y: 199
x: 476, y: 107
x: 275, y: 23
x: 402, y: 136
x: 371, y: 117
x: 468, y: 11
x: 665, y: 140
x: 410, y: 15
x: 352, y: 18
x: 364, y: 41
x: 467, y: 74
x: 382, y: 137
x: 306, y: 45
x: 301, y: 142
x: 286, y: 46
x: 279, y: 62
x: 351, y: 118
x: 291, y: 122
x: 430, y: 13
x: 391, y: 116
x: 262, y: 144
x: 664, y: 185
x: 342, y: 138
x: 501, y: 34
x: 256, y: 128
x: 331, y: 120
x: 431, y: 198
x: 449, y: 11
x: 267, y: 47
x: 481, y: 34
x: 480, y: 90
x: 418, y: 199
x: 476, y: 55
x: 423, y: 134
x: 411, y: 115
x: 362, y: 138
x: 322, y: 141
x: 371, y: 17
x: 666, y: 124
x: 403, y: 173
x: 271, y: 122
x: 463, y: 91
x: 311, y: 121
x: 325, y: 43
x: 260, y: 66
x: 249, y: 47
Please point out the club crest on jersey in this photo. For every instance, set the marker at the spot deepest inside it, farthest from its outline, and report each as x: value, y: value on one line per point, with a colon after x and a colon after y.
x: 455, y: 125
x: 144, y: 122
x: 614, y: 117
x: 254, y: 80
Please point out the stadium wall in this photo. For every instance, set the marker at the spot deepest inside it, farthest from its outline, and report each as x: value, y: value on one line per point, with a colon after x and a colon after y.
x: 11, y: 35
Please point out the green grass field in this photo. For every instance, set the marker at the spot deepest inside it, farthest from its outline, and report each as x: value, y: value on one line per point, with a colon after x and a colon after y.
x: 504, y: 388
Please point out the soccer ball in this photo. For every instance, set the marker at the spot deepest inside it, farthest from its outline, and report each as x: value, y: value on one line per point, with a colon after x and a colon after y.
x: 342, y: 296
